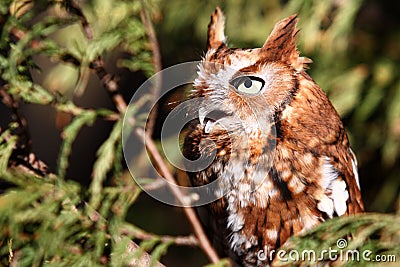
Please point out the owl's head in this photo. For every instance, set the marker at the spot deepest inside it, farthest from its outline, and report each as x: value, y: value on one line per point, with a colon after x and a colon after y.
x: 247, y: 84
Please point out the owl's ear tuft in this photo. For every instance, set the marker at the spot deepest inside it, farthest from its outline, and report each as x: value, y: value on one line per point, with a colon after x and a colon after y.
x: 281, y: 44
x: 216, y: 35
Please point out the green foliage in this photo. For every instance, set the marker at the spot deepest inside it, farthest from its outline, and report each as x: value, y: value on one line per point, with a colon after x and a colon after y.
x: 105, y: 161
x: 221, y: 263
x: 51, y: 220
x: 7, y: 143
x: 370, y: 237
x: 45, y: 220
x: 69, y: 135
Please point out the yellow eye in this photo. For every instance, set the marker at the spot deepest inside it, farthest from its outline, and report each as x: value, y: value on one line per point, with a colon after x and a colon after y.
x: 248, y: 84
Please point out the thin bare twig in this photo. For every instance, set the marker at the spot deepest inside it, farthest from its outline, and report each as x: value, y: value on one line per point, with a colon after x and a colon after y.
x: 107, y: 80
x: 76, y: 111
x: 110, y: 83
x: 156, y: 57
x: 22, y: 155
x: 30, y: 163
x: 189, y: 211
x: 74, y: 8
x: 8, y: 100
x: 178, y: 240
x: 112, y: 87
x: 157, y: 184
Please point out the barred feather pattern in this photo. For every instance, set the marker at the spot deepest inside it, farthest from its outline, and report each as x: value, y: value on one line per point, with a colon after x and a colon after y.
x: 293, y: 173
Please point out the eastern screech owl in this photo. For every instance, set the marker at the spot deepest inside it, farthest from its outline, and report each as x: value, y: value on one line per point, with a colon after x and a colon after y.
x: 278, y: 145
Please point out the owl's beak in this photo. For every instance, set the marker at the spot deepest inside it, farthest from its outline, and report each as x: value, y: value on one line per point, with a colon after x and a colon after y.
x: 209, y: 122
x: 209, y: 118
x: 209, y: 126
x: 202, y: 118
x: 202, y: 115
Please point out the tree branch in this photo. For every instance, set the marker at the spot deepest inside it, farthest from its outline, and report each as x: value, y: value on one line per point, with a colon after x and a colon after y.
x: 73, y: 7
x: 155, y: 48
x: 22, y: 155
x: 178, y: 240
x: 111, y: 86
x: 19, y: 118
x: 189, y: 211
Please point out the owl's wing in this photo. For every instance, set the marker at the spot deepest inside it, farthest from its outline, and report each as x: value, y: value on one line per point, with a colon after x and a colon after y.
x: 339, y: 178
x: 315, y: 146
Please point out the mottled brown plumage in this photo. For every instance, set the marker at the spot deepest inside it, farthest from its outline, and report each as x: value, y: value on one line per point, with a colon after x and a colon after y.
x: 281, y: 149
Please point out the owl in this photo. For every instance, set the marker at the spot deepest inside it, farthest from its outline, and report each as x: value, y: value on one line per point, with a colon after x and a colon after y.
x: 280, y: 161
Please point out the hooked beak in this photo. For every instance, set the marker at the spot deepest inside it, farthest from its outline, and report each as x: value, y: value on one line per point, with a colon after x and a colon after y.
x: 209, y: 118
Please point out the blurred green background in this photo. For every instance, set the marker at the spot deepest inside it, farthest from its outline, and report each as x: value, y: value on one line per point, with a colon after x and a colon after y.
x: 354, y: 45
x: 355, y: 48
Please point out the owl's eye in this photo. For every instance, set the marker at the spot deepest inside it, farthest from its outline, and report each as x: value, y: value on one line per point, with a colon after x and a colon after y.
x: 248, y: 84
